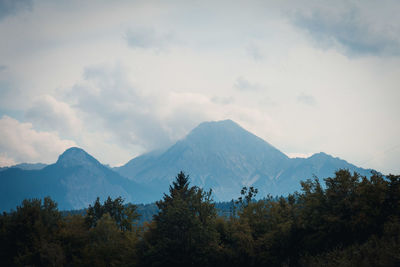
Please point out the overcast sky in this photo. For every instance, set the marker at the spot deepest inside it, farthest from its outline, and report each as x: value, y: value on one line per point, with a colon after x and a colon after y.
x: 119, y: 78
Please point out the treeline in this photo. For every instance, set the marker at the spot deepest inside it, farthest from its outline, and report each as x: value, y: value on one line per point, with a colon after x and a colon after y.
x: 351, y: 221
x: 147, y: 211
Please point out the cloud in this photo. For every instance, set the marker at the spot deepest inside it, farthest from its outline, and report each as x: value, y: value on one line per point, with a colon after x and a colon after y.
x: 243, y: 84
x: 254, y: 52
x: 306, y: 99
x: 10, y: 95
x: 151, y: 99
x: 147, y: 38
x: 22, y: 143
x: 6, y: 161
x: 3, y: 67
x: 108, y: 101
x: 351, y: 28
x: 134, y: 120
x: 50, y: 114
x: 222, y: 100
x: 299, y: 155
x: 12, y: 7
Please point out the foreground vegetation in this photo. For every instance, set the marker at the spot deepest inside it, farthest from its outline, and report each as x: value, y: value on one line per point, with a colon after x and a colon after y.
x: 351, y: 221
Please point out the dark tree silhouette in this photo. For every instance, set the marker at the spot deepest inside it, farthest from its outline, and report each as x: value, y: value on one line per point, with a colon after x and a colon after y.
x: 183, y: 232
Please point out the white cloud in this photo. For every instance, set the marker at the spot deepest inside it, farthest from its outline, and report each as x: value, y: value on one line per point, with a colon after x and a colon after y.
x: 71, y: 71
x: 108, y: 101
x: 299, y: 155
x: 22, y: 143
x: 255, y: 52
x: 147, y: 38
x: 49, y: 114
x: 306, y: 99
x: 244, y: 85
x: 5, y: 160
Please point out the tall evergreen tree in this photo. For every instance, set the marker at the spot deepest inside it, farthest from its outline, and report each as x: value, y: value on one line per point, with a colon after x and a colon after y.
x: 183, y: 232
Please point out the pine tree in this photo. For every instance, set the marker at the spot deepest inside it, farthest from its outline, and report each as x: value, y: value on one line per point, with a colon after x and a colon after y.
x: 183, y: 232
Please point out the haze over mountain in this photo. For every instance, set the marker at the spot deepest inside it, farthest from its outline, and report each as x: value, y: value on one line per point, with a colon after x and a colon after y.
x: 219, y: 155
x: 225, y: 157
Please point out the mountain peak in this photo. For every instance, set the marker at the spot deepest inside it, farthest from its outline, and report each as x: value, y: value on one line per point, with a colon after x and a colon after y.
x: 74, y: 150
x: 221, y: 123
x: 76, y: 156
x: 222, y: 143
x: 226, y: 134
x: 222, y: 129
x: 321, y: 155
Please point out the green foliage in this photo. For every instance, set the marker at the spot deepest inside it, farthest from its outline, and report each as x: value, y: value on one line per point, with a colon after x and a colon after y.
x: 123, y: 215
x: 247, y: 196
x: 74, y: 237
x: 236, y: 246
x: 28, y: 235
x: 183, y: 232
x: 344, y: 223
x: 350, y: 221
x: 376, y: 251
x: 109, y: 245
x: 37, y: 235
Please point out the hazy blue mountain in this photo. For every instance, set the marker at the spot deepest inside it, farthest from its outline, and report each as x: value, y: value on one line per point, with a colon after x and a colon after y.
x: 225, y: 157
x: 320, y: 165
x: 74, y: 181
x: 219, y: 155
x: 26, y: 166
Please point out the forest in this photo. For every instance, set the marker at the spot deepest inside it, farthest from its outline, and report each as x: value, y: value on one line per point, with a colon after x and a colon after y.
x: 344, y: 220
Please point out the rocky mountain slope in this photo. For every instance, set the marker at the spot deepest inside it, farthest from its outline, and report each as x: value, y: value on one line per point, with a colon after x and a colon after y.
x: 225, y: 157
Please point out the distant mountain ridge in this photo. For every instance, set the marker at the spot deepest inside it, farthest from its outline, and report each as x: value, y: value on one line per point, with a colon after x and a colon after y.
x: 74, y: 181
x: 26, y: 166
x: 225, y: 157
x: 219, y: 155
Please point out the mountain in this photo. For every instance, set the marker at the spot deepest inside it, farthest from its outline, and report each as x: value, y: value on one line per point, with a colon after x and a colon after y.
x: 74, y: 182
x: 225, y: 157
x: 26, y: 166
x: 219, y: 155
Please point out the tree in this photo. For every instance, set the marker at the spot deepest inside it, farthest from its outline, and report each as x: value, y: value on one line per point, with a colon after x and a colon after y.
x: 125, y: 216
x: 183, y: 232
x: 108, y: 245
x: 247, y: 196
x: 29, y: 235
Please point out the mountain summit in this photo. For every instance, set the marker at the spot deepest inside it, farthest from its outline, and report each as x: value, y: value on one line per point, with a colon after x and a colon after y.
x: 228, y: 137
x: 76, y: 156
x: 219, y: 155
x: 225, y: 157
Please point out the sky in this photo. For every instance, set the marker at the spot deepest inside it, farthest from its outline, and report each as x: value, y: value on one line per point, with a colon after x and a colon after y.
x: 121, y: 78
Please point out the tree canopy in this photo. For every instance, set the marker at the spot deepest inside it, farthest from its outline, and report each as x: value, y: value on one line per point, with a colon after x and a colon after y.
x: 344, y: 220
x: 183, y: 232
